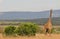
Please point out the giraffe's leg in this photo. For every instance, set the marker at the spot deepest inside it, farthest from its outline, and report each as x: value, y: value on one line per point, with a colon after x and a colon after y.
x: 49, y: 32
x: 46, y: 31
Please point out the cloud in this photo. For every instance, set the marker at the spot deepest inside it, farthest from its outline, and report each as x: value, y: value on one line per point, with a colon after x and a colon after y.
x: 30, y: 5
x: 1, y: 1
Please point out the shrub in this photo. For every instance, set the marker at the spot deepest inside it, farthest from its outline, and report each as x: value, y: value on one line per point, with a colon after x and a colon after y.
x: 1, y: 29
x: 9, y: 30
x: 27, y: 29
x: 40, y: 30
x: 53, y: 30
x: 58, y: 29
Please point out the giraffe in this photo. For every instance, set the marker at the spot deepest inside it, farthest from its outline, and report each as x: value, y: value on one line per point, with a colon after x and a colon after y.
x: 48, y: 26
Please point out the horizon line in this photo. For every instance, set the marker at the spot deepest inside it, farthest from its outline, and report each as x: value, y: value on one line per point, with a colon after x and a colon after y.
x: 30, y: 10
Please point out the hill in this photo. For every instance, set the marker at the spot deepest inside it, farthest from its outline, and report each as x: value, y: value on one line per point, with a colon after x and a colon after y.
x: 40, y: 21
x: 26, y: 16
x: 12, y: 15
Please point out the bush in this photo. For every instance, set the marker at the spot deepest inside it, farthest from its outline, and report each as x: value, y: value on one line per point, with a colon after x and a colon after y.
x: 58, y: 29
x: 9, y: 30
x: 40, y: 30
x: 1, y: 29
x: 53, y: 30
x: 27, y: 29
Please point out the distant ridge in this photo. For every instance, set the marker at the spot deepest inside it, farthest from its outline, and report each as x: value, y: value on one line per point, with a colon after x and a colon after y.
x: 12, y: 15
x: 26, y: 16
x: 40, y: 21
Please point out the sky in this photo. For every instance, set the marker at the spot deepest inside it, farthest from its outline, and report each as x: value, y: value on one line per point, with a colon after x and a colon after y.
x: 28, y: 5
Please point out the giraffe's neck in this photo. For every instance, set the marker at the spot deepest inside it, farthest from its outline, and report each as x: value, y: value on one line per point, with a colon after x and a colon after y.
x: 50, y: 17
x: 49, y: 22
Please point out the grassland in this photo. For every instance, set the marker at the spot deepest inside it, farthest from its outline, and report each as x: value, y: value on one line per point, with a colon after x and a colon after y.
x: 38, y: 36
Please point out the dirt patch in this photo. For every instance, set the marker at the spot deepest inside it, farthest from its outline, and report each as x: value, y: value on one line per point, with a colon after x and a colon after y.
x: 38, y: 36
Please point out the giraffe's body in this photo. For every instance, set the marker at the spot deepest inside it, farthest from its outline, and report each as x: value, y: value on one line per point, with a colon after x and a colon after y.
x: 48, y: 25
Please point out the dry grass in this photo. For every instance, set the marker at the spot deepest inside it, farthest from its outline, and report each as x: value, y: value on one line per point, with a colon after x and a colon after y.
x: 38, y: 36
